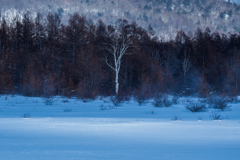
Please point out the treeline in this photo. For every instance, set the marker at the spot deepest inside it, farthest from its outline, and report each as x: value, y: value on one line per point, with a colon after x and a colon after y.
x: 42, y: 56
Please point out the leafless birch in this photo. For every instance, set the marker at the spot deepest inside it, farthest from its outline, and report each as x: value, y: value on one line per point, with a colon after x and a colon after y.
x: 186, y: 64
x: 117, y: 49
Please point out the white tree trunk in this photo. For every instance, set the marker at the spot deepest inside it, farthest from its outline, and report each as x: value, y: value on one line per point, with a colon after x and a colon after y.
x: 116, y: 83
x: 117, y: 50
x: 186, y: 65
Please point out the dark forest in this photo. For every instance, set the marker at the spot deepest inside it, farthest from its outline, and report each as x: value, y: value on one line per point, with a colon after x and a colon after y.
x: 42, y: 56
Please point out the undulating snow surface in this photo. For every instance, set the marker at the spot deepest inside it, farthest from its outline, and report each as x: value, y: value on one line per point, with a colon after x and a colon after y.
x: 78, y: 130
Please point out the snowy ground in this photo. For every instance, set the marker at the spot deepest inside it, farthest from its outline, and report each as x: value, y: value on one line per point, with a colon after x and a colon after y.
x: 127, y: 132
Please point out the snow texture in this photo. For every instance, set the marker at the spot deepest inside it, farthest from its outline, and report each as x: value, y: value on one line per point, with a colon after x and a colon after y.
x: 96, y: 130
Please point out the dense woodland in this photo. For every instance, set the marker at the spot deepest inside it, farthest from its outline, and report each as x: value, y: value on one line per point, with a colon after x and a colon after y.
x: 42, y: 56
x: 165, y: 16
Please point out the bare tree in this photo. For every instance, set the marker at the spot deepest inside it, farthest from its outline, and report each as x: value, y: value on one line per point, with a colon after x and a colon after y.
x: 235, y: 67
x: 186, y: 64
x: 117, y: 49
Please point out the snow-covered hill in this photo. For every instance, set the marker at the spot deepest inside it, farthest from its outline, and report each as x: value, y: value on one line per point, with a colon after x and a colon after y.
x: 165, y: 16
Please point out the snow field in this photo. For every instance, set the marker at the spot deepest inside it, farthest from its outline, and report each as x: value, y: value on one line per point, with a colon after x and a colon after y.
x: 85, y: 131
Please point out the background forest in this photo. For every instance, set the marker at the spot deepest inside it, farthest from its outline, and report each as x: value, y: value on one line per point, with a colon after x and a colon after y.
x: 42, y: 56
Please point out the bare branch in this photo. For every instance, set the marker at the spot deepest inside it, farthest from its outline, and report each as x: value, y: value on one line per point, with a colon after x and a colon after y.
x: 118, y: 50
x: 106, y: 60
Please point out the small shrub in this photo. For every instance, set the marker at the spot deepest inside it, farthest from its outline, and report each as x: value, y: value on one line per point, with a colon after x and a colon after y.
x: 176, y: 118
x: 26, y: 115
x: 142, y: 95
x: 14, y: 95
x: 188, y: 100
x: 196, y: 107
x: 233, y: 99
x: 82, y: 92
x: 67, y: 110
x: 203, y: 100
x: 220, y: 104
x: 48, y: 100
x: 65, y: 100
x: 175, y: 99
x: 152, y: 112
x: 117, y: 100
x: 161, y: 100
x: 141, y: 99
x: 217, y: 103
x: 167, y: 102
x: 85, y: 100
x: 215, y: 115
x: 105, y: 99
x: 102, y: 107
x: 158, y: 100
x: 199, y: 118
x: 210, y: 100
x: 111, y: 107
